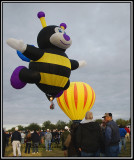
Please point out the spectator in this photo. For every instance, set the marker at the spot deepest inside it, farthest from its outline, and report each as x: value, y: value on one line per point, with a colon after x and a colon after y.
x: 123, y: 132
x: 89, y: 137
x: 70, y: 143
x: 56, y: 140
x: 7, y: 136
x: 103, y: 127
x: 53, y: 136
x: 4, y: 141
x: 48, y: 138
x: 64, y: 137
x: 26, y: 132
x: 42, y: 134
x: 22, y: 137
x: 28, y: 142
x: 35, y: 141
x: 112, y: 136
x: 16, y: 142
x: 128, y: 132
x: 60, y: 133
x: 39, y: 137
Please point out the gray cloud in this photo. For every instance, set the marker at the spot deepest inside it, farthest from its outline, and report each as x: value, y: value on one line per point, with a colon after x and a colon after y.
x: 101, y: 35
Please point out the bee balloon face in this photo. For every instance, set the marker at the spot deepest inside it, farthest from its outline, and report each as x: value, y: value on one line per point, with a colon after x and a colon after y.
x: 60, y: 38
x: 53, y: 35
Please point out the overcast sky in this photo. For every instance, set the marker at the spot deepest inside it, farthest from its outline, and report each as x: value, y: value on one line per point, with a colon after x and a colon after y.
x: 100, y: 34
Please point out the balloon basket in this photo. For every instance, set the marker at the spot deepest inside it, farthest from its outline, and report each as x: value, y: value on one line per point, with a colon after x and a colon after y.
x: 77, y: 121
x: 52, y: 106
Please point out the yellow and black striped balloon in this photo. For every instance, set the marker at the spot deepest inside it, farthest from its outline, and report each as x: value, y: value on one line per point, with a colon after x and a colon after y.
x: 54, y: 69
x: 77, y: 100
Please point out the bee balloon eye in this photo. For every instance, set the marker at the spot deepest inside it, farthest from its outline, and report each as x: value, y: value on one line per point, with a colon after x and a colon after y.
x: 60, y: 30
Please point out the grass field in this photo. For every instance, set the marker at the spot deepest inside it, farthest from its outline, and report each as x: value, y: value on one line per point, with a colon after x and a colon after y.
x: 56, y: 151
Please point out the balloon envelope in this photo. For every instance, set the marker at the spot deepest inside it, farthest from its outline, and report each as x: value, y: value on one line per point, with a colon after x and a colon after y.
x: 77, y: 100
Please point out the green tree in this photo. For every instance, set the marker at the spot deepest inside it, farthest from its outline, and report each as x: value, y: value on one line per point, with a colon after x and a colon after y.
x: 12, y: 129
x: 98, y: 121
x: 122, y: 122
x: 60, y: 125
x: 33, y: 126
x: 46, y: 125
x: 20, y: 128
x: 69, y: 123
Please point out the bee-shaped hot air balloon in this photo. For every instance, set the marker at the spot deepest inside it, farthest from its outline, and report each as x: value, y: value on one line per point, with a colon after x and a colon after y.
x: 49, y: 66
x: 77, y: 100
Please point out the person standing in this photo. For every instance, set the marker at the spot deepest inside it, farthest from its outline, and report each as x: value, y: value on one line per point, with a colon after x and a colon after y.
x: 22, y: 137
x: 48, y: 138
x: 35, y: 140
x: 123, y: 133
x: 128, y: 132
x: 56, y: 140
x: 103, y: 127
x: 112, y: 136
x: 89, y: 137
x: 16, y: 142
x: 8, y: 136
x: 28, y: 142
x: 4, y: 141
x: 70, y: 144
x: 63, y: 138
x: 42, y: 136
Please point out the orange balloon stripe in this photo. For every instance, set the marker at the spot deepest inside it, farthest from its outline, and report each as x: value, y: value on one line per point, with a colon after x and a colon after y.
x: 85, y: 95
x: 60, y: 104
x: 92, y: 97
x: 65, y: 97
x: 75, y: 95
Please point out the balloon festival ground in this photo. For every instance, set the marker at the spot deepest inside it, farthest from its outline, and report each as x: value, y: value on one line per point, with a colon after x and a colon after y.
x: 56, y: 151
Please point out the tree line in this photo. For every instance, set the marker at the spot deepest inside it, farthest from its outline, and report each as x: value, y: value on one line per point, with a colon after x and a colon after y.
x: 60, y: 125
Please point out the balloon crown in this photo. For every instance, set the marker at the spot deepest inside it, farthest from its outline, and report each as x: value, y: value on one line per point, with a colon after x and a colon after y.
x: 41, y: 16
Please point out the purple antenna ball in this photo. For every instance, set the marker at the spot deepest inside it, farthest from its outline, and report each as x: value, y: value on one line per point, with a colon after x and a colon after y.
x: 64, y: 25
x: 40, y: 14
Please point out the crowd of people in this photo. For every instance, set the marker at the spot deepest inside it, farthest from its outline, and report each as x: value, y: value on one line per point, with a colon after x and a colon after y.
x: 85, y: 139
x: 32, y: 140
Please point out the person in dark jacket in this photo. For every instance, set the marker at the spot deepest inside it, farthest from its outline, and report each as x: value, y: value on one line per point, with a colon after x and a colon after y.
x: 35, y: 140
x: 8, y: 136
x: 123, y: 133
x: 70, y: 143
x: 89, y: 137
x: 28, y: 142
x: 4, y: 141
x: 112, y: 136
x: 63, y: 138
x: 16, y: 142
x: 103, y: 127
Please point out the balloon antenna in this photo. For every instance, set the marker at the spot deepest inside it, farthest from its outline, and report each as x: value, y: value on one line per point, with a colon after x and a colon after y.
x: 63, y: 26
x: 41, y: 16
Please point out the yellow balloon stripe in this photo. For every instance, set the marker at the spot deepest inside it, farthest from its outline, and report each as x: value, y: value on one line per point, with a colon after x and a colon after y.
x: 59, y: 103
x: 63, y: 106
x: 92, y: 99
x: 81, y: 96
x: 65, y: 97
x: 70, y: 96
x: 86, y: 95
x: 85, y: 109
x: 75, y: 95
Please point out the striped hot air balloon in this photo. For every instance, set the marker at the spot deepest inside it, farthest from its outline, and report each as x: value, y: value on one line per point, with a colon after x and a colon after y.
x: 77, y: 100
